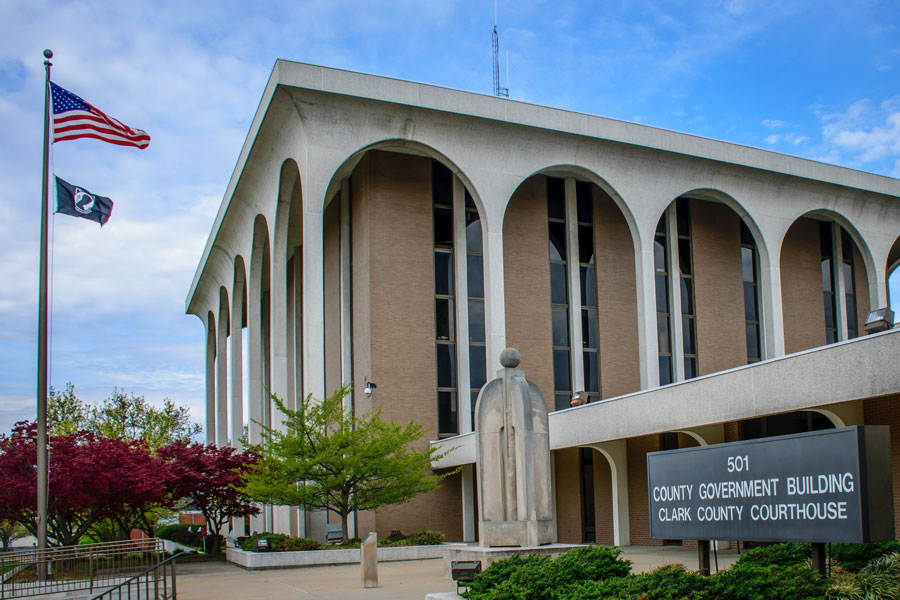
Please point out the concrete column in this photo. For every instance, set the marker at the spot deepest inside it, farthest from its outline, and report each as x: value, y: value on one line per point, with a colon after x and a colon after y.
x: 840, y: 286
x: 463, y: 395
x: 237, y: 365
x: 346, y: 311
x: 675, y: 322
x: 313, y: 319
x: 211, y: 379
x: 468, y: 503
x: 297, y: 331
x: 772, y: 307
x: 290, y: 328
x: 645, y: 286
x: 576, y: 358
x: 617, y: 455
x: 494, y: 298
x: 254, y: 357
x: 222, y: 373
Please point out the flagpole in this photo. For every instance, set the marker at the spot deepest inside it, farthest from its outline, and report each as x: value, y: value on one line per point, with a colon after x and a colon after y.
x: 42, y: 333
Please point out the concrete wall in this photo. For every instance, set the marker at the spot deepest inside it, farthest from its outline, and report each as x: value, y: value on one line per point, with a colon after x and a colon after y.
x: 616, y: 299
x: 526, y: 277
x: 638, y: 502
x: 718, y: 287
x: 801, y: 287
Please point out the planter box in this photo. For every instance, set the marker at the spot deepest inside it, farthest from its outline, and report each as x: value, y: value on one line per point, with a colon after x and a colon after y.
x: 308, y: 558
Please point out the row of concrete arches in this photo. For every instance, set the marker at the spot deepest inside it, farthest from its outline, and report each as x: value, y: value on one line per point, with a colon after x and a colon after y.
x: 252, y: 297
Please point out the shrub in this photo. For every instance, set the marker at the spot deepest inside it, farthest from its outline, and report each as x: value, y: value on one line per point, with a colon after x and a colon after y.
x: 855, y: 556
x: 777, y: 554
x: 878, y: 580
x: 753, y: 580
x: 279, y: 542
x: 426, y: 537
x: 187, y: 537
x: 669, y: 582
x: 166, y: 531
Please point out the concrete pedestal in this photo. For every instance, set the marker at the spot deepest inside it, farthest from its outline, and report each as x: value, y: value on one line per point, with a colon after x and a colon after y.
x: 491, y: 555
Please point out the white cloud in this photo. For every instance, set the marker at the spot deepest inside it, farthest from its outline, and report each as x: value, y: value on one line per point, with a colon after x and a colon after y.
x: 772, y: 124
x: 864, y: 134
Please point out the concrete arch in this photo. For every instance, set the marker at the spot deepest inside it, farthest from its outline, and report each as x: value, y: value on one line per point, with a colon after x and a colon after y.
x: 616, y: 454
x: 222, y: 368
x: 403, y: 146
x: 585, y: 174
x: 210, y: 378
x: 257, y: 320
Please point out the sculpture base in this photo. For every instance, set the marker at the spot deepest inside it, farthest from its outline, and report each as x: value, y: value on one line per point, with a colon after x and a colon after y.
x: 491, y: 555
x: 516, y: 533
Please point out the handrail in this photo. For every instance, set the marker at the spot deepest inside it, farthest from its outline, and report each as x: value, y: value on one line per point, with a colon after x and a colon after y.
x: 119, y: 587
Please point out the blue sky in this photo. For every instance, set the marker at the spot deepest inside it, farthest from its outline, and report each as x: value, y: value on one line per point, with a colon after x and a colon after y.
x: 817, y: 79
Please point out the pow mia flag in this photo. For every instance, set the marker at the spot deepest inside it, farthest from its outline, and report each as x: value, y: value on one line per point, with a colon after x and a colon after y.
x: 78, y: 202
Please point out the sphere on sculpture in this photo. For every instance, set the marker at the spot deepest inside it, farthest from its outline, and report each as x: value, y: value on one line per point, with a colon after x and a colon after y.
x: 510, y: 358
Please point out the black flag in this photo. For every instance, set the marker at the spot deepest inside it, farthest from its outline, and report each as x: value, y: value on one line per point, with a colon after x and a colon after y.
x: 78, y: 202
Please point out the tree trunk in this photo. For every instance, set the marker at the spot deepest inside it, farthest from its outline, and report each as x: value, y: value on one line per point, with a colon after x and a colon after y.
x: 344, y: 527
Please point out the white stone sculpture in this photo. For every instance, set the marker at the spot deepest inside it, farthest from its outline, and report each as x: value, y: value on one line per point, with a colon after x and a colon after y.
x: 513, y: 460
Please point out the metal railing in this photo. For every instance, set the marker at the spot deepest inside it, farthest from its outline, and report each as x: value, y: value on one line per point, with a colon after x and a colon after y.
x: 158, y: 579
x: 70, y: 568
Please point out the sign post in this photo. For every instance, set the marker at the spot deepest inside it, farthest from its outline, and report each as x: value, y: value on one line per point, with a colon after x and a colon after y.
x: 823, y: 486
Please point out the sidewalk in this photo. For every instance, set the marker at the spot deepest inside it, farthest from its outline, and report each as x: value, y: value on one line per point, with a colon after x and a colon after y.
x: 406, y: 580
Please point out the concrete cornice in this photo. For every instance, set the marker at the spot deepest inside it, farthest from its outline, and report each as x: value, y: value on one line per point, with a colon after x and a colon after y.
x: 865, y: 367
x: 320, y: 79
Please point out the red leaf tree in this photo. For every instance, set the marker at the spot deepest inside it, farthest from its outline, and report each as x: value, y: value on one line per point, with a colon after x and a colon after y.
x: 90, y: 478
x: 206, y: 476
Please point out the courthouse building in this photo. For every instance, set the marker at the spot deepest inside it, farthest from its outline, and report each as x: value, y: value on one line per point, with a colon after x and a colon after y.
x: 402, y: 235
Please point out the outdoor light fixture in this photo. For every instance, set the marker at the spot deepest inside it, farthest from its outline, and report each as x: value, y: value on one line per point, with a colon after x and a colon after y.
x: 881, y: 319
x: 369, y: 387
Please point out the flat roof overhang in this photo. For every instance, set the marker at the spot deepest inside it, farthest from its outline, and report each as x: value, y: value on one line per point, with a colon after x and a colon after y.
x: 865, y: 367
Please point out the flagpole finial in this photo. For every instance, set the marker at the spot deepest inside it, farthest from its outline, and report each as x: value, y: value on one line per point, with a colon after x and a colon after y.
x: 48, y: 53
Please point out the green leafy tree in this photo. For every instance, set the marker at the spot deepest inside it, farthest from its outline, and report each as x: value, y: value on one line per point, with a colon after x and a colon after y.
x: 10, y: 531
x: 324, y: 457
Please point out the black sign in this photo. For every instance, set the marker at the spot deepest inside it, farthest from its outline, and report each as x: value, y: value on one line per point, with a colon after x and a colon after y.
x: 823, y: 486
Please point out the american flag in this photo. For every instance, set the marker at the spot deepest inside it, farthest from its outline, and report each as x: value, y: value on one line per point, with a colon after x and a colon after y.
x: 74, y: 118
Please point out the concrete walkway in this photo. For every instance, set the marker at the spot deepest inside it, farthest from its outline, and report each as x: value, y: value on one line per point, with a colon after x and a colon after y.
x: 407, y: 580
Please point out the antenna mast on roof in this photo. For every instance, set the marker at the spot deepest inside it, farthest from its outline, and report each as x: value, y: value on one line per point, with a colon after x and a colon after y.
x: 499, y: 91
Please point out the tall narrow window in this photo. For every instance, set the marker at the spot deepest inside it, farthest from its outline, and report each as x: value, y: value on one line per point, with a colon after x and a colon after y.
x: 749, y: 268
x: 663, y: 333
x: 475, y: 285
x: 849, y: 284
x: 685, y: 267
x: 826, y: 247
x: 559, y: 295
x: 445, y: 322
x: 588, y: 286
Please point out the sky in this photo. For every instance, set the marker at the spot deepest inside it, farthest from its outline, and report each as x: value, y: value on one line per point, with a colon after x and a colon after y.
x: 819, y: 79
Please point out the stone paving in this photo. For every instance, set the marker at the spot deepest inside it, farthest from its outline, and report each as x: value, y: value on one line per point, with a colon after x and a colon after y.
x: 407, y: 580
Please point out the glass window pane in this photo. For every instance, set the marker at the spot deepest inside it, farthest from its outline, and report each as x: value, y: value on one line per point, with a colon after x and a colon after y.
x: 476, y: 321
x: 661, y: 225
x: 829, y: 309
x: 558, y: 285
x: 469, y: 202
x: 690, y: 368
x: 747, y: 265
x: 446, y: 365
x: 556, y: 198
x: 665, y: 370
x: 752, y: 342
x: 583, y: 203
x: 588, y: 287
x: 689, y: 341
x: 687, y: 296
x: 562, y: 401
x: 850, y: 300
x: 746, y: 236
x: 475, y: 275
x: 444, y: 321
x: 443, y: 226
x: 826, y: 274
x: 585, y: 244
x: 474, y: 404
x: 447, y: 413
x: 830, y: 336
x: 557, y: 240
x: 750, y: 302
x: 591, y: 371
x: 848, y: 276
x: 443, y: 273
x: 560, y: 317
x: 662, y: 333
x: 473, y: 232
x: 684, y: 256
x: 662, y: 293
x: 825, y: 245
x: 683, y: 216
x: 477, y: 367
x: 589, y: 327
x: 441, y: 184
x: 659, y: 254
x: 561, y: 371
x: 846, y: 246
